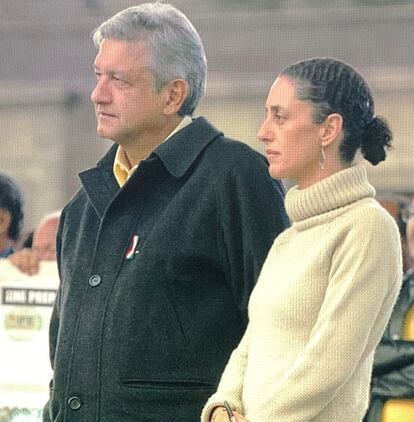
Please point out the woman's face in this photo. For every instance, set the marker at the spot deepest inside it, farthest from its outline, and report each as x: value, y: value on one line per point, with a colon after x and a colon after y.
x: 410, y: 231
x: 290, y: 135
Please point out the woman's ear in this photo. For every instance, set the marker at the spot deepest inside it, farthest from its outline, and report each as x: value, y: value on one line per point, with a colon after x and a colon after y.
x: 176, y: 92
x: 331, y: 129
x: 5, y: 220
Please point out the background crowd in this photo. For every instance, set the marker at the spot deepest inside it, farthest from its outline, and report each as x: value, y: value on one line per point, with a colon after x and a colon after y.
x: 24, y: 249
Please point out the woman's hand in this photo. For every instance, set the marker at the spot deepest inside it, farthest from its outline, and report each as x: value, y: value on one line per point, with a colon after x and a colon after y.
x: 219, y: 414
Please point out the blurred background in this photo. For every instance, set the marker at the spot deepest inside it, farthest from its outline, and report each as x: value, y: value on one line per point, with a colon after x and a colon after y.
x: 46, y: 117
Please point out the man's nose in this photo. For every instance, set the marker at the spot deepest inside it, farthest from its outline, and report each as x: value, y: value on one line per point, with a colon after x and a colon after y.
x: 101, y: 93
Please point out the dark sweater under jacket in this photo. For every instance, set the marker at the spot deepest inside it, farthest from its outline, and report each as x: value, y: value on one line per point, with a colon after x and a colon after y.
x: 155, y: 278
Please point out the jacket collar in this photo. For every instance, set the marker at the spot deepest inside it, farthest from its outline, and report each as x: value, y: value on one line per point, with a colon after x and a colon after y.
x: 99, y: 182
x: 177, y: 154
x: 180, y: 151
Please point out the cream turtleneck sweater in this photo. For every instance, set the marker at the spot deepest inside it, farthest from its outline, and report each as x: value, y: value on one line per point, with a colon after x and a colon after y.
x: 319, y: 309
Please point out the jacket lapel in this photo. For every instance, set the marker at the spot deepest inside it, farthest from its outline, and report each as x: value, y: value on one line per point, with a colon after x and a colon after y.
x: 99, y: 182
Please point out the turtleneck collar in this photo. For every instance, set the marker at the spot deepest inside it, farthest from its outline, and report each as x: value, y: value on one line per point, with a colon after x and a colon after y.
x: 335, y: 191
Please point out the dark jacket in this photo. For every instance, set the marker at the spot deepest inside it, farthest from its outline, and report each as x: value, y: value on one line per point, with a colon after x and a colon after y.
x: 393, y: 373
x: 142, y: 333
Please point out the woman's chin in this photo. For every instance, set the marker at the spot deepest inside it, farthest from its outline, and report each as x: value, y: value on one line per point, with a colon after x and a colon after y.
x: 277, y: 173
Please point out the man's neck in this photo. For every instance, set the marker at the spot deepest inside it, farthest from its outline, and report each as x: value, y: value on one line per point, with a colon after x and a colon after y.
x: 141, y: 147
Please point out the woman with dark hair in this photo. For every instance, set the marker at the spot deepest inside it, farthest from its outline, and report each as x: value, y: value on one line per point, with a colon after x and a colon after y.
x: 11, y: 214
x: 392, y: 387
x: 329, y: 283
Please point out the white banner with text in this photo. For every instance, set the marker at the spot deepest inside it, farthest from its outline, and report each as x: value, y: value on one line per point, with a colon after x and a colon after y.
x: 26, y: 304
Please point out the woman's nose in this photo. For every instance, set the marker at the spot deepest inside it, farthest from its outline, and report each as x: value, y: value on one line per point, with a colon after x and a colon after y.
x: 264, y: 133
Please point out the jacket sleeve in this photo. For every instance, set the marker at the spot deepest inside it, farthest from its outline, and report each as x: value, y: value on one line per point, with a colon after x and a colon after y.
x: 54, y: 323
x: 398, y: 383
x: 252, y: 214
x: 393, y: 355
x: 231, y: 383
x: 393, y: 375
x: 353, y: 314
x: 393, y: 372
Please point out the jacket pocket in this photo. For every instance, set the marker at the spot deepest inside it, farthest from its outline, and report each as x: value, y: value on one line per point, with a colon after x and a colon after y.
x: 165, y: 391
x: 166, y: 385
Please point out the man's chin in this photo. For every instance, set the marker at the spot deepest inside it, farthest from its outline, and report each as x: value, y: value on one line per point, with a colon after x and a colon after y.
x: 104, y: 132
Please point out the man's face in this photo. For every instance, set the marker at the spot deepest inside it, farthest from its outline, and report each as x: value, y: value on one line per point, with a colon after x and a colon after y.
x: 127, y: 108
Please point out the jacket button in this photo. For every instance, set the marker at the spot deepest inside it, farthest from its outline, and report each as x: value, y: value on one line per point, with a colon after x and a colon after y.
x: 95, y: 280
x: 74, y: 403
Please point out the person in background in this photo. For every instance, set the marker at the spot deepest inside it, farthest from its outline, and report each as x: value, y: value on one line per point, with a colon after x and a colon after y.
x: 407, y: 228
x: 43, y: 246
x: 329, y: 282
x: 11, y: 214
x: 392, y: 386
x: 160, y: 248
x: 396, y: 205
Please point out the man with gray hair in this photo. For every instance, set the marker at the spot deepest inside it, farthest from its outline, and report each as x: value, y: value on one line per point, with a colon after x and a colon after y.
x: 161, y: 246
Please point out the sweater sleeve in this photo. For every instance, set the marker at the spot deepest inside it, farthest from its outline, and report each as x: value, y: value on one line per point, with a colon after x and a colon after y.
x: 231, y: 383
x: 364, y: 280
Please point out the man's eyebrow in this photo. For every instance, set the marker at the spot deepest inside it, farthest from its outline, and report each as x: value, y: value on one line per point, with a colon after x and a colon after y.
x: 276, y: 108
x: 111, y: 71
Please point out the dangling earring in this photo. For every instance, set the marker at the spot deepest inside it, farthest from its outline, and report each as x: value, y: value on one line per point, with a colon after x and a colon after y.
x: 322, y: 159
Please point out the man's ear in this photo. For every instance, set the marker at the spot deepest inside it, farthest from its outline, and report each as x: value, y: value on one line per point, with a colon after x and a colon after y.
x: 5, y: 220
x: 331, y: 129
x: 176, y: 92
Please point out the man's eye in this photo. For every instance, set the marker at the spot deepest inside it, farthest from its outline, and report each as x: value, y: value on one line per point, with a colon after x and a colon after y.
x: 279, y: 117
x: 119, y: 81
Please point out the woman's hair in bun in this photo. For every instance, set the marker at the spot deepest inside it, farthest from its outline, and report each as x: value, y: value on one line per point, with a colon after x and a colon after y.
x: 332, y: 86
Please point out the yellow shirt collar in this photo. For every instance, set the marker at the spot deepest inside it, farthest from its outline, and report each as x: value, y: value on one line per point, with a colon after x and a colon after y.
x: 122, y: 167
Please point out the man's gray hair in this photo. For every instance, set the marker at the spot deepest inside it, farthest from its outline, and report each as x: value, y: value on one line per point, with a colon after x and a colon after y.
x: 175, y: 48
